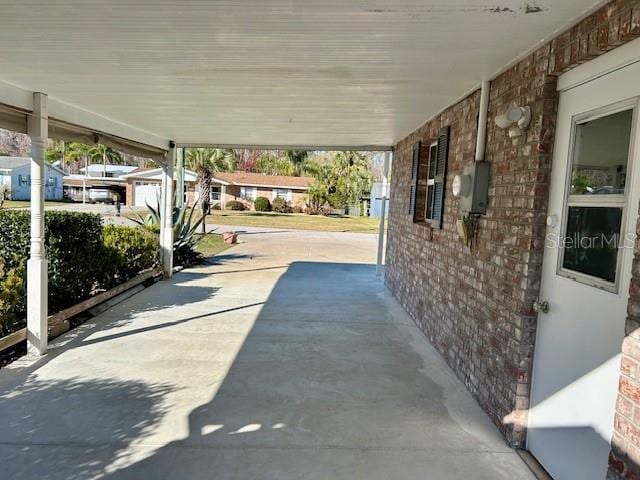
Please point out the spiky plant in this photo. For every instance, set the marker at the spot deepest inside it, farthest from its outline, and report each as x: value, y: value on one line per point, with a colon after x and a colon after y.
x: 185, y: 226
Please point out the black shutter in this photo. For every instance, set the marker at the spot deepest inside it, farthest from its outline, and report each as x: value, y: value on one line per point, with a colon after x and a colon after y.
x: 441, y: 177
x: 414, y: 179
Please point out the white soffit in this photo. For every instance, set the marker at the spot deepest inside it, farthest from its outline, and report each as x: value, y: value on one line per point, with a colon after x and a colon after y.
x: 269, y: 72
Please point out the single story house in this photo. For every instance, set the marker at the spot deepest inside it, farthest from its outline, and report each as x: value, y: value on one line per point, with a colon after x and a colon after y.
x: 143, y: 186
x: 15, y: 172
x: 247, y: 186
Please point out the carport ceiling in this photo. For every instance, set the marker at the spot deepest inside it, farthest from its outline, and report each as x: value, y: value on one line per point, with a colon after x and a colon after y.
x: 269, y: 72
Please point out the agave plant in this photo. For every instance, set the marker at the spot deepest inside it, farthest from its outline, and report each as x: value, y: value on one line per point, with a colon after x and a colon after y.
x: 185, y: 226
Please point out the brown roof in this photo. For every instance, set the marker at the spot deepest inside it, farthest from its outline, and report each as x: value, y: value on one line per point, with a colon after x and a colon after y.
x: 260, y: 180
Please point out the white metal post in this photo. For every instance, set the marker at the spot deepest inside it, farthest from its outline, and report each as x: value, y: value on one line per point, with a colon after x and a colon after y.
x: 37, y: 282
x: 166, y: 229
x: 383, y: 211
x: 179, y: 177
x: 223, y: 194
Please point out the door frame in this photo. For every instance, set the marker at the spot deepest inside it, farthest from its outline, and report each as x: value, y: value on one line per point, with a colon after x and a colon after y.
x: 611, y: 67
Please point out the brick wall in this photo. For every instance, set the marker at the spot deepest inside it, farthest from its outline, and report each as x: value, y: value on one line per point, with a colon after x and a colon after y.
x: 475, y: 305
x: 624, y: 459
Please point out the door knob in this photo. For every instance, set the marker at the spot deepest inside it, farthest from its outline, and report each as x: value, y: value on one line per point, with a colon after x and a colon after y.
x: 541, y: 307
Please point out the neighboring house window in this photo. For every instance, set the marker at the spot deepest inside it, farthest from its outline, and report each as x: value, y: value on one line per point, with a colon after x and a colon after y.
x: 249, y: 193
x: 282, y: 193
x: 215, y: 193
x: 428, y: 180
x: 23, y: 180
x: 51, y: 182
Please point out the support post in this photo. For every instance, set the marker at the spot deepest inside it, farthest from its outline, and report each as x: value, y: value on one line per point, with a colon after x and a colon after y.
x: 37, y: 282
x: 383, y: 211
x: 166, y: 229
x: 179, y: 177
x: 223, y: 195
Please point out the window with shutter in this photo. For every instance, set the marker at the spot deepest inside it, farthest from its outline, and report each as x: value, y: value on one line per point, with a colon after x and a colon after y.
x: 440, y: 180
x: 428, y: 180
x: 414, y: 180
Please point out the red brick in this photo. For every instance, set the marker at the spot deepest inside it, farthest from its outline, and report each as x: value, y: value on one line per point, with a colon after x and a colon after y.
x: 475, y: 305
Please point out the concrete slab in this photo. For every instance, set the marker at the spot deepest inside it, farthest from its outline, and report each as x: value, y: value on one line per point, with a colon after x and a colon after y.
x: 284, y: 358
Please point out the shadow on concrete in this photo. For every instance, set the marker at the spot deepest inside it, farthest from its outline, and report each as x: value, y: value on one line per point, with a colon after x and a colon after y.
x: 226, y: 258
x: 162, y: 325
x: 316, y: 393
x: 91, y: 423
x: 326, y: 384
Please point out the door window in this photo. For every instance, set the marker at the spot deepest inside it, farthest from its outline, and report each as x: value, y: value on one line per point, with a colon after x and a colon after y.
x: 596, y: 199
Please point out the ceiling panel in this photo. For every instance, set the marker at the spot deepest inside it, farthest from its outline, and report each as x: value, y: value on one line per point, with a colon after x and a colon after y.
x: 269, y: 72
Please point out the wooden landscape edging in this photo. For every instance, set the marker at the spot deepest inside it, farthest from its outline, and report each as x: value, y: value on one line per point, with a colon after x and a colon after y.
x: 59, y: 322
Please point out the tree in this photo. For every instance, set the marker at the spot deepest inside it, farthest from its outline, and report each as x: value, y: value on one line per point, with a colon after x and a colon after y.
x: 76, y: 156
x: 205, y: 162
x: 342, y: 182
x: 15, y: 144
x: 246, y: 159
x: 100, y: 152
x: 270, y: 164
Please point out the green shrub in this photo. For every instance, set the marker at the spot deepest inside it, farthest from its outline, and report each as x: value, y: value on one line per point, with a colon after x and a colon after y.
x: 280, y: 205
x: 297, y: 209
x: 128, y: 251
x: 12, y: 292
x: 262, y: 204
x: 235, y: 205
x: 73, y: 245
x: 79, y: 262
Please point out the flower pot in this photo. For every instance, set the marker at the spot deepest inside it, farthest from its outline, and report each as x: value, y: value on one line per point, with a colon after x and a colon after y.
x: 230, y: 237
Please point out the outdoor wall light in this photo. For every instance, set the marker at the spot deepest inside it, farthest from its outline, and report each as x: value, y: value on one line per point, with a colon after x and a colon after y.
x: 515, y: 119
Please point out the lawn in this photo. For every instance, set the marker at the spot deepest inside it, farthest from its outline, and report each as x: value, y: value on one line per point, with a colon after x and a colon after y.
x: 334, y: 223
x: 26, y: 204
x: 211, y: 244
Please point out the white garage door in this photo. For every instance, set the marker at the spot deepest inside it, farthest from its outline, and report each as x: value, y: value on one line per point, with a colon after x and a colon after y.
x: 146, y: 194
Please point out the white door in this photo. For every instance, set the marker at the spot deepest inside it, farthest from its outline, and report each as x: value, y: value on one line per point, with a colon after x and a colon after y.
x: 146, y: 194
x: 593, y: 209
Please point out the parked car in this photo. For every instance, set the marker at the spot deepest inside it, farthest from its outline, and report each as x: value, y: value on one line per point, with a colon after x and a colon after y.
x: 103, y: 194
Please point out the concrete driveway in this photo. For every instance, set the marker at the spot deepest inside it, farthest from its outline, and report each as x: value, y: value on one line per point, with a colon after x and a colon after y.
x: 285, y: 358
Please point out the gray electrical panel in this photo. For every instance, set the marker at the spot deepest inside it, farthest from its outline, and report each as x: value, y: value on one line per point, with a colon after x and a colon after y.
x: 475, y: 201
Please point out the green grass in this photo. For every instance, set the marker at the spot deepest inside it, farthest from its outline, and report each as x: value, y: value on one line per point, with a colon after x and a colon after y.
x: 296, y: 221
x: 211, y: 244
x: 26, y: 204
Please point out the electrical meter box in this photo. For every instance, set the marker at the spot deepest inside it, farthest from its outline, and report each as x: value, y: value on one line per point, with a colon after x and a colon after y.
x: 472, y: 188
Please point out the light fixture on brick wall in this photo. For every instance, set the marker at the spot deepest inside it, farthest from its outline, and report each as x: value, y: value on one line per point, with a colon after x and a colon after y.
x: 516, y: 119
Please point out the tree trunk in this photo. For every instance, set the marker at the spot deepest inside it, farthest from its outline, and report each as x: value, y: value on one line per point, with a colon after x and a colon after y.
x: 205, y: 198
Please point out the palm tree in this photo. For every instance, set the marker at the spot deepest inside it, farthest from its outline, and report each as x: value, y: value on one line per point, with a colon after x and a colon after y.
x: 302, y: 164
x: 100, y: 152
x: 205, y: 162
x: 75, y: 154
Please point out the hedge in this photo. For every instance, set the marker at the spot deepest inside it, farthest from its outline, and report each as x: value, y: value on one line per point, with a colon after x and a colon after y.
x: 280, y: 205
x: 80, y: 259
x: 262, y: 204
x: 128, y: 251
x: 235, y: 205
